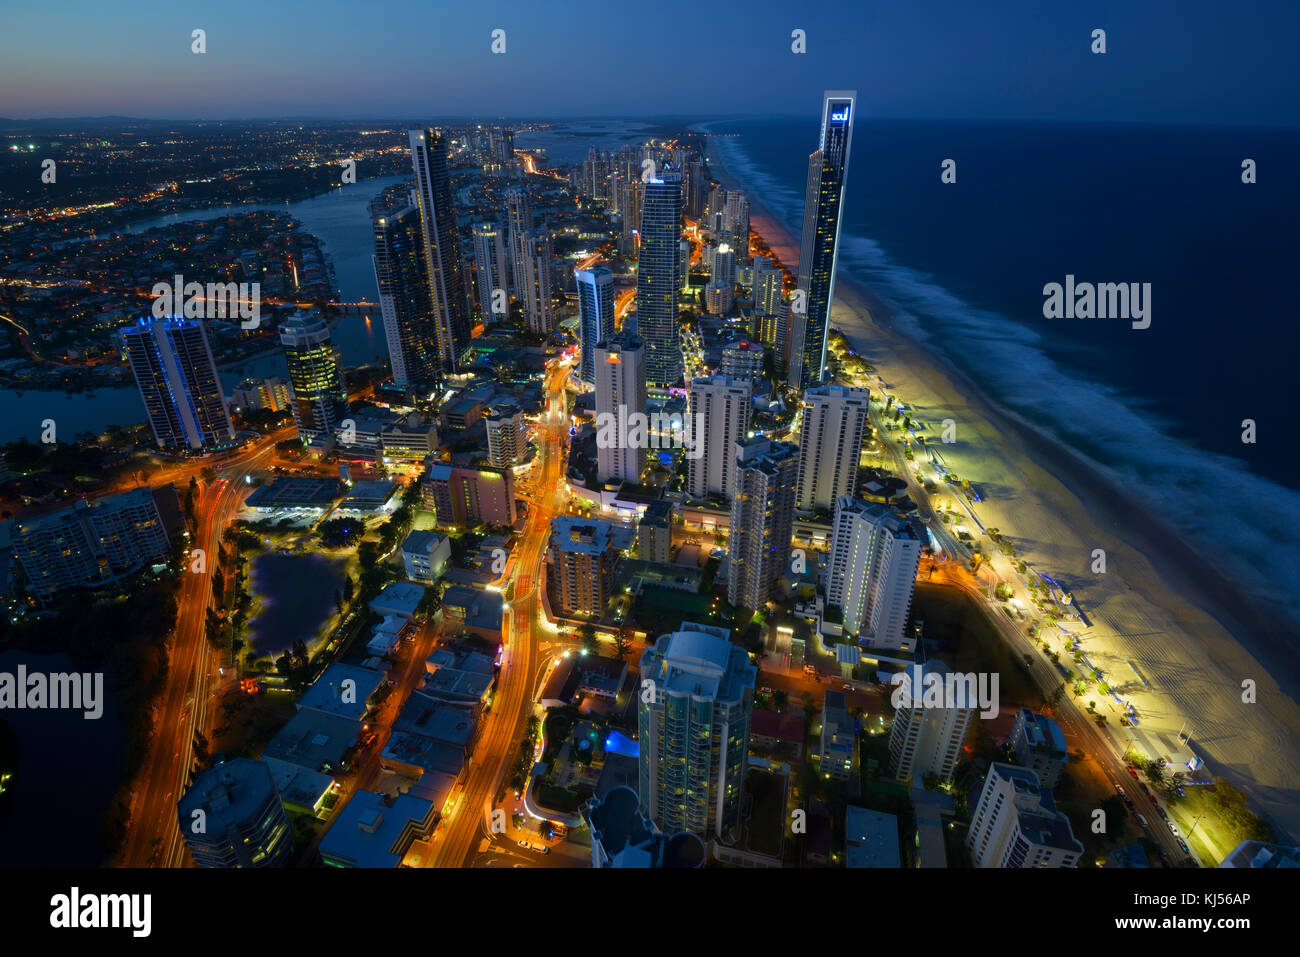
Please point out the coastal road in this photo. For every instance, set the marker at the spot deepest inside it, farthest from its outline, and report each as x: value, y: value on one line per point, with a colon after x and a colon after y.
x: 1076, y: 724
x: 458, y: 837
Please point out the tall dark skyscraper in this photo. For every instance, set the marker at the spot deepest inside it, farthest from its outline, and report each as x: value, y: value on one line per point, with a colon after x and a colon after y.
x: 441, y: 245
x: 402, y: 275
x: 177, y: 377
x: 827, y: 168
x: 658, y: 285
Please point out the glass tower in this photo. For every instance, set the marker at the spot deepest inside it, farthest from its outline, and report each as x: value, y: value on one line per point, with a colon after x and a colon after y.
x: 658, y: 285
x: 827, y: 168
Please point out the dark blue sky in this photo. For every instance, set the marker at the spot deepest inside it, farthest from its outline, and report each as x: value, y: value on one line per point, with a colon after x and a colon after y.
x: 1181, y: 61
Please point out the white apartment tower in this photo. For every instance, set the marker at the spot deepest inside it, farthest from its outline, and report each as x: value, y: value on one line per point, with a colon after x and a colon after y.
x: 927, y: 740
x: 493, y: 268
x: 620, y: 392
x: 835, y: 424
x: 1017, y: 824
x: 719, y: 408
x: 871, y: 574
x: 694, y: 729
x: 507, y: 436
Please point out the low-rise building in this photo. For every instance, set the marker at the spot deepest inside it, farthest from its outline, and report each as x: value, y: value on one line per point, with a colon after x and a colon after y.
x: 377, y: 831
x: 838, y: 738
x: 1039, y: 744
x: 343, y: 690
x: 425, y: 554
x: 870, y: 838
x: 479, y: 611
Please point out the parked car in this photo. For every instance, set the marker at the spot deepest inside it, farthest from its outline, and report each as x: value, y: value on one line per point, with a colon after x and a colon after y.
x: 1143, y: 821
x: 1162, y: 812
x: 1120, y: 791
x: 1183, y: 845
x: 1173, y: 829
x: 1131, y: 770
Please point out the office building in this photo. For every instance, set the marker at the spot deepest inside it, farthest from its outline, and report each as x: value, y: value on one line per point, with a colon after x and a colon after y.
x: 90, y: 544
x: 694, y: 730
x: 493, y: 267
x: 465, y: 497
x: 405, y: 304
x: 835, y: 425
x: 320, y: 399
x: 1039, y: 744
x: 441, y: 246
x: 177, y: 378
x: 620, y: 393
x: 927, y: 740
x: 232, y: 817
x: 507, y: 436
x: 580, y: 566
x: 658, y: 286
x: 1016, y: 823
x: 762, y: 520
x: 871, y: 572
x: 719, y: 416
x: 819, y: 248
x: 595, y: 316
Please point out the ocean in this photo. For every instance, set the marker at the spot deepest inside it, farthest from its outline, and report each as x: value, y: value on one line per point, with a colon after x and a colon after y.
x: 963, y: 267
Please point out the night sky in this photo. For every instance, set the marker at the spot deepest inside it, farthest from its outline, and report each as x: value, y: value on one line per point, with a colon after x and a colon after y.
x: 1186, y: 61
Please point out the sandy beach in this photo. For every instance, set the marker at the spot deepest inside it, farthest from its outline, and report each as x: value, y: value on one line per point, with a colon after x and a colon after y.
x: 1162, y: 611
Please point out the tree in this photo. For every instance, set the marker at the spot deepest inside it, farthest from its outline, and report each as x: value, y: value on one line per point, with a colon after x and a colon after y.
x: 622, y: 644
x: 590, y: 644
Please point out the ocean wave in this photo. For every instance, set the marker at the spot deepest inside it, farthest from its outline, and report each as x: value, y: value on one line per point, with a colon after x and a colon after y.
x: 1213, y: 500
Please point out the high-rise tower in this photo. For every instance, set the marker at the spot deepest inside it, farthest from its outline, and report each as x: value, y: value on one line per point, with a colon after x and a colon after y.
x: 823, y: 206
x: 320, y: 400
x: 177, y: 378
x: 402, y: 277
x: 441, y: 245
x: 595, y: 315
x: 658, y: 287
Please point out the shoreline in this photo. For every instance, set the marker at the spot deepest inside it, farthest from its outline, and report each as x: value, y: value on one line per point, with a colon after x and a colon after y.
x: 1173, y: 613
